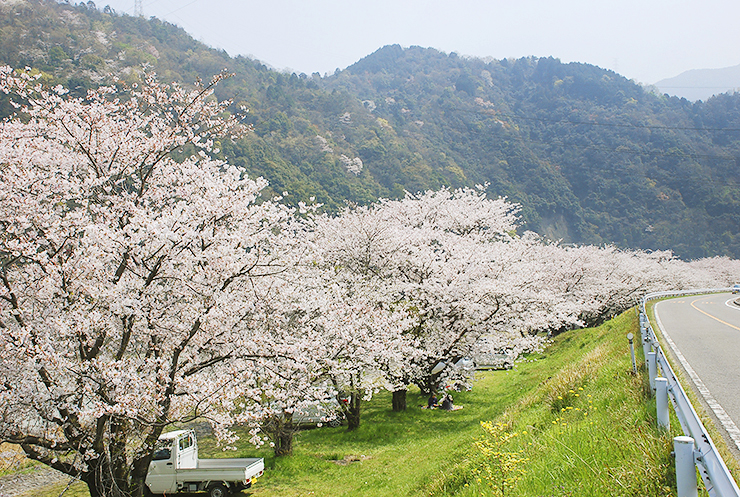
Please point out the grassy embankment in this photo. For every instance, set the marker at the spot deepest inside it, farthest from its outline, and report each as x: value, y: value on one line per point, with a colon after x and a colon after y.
x: 577, y: 423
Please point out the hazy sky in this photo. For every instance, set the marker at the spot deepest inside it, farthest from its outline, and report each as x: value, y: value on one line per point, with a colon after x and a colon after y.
x: 644, y: 40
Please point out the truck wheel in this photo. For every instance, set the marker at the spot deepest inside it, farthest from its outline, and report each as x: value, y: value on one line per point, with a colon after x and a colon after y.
x: 218, y: 491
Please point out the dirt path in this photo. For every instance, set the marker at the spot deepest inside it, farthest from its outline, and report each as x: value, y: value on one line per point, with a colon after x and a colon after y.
x: 27, y: 481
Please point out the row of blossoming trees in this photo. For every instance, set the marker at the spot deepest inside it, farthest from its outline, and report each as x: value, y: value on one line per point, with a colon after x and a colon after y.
x: 138, y: 291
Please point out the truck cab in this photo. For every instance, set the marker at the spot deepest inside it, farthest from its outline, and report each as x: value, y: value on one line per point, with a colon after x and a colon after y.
x: 176, y: 467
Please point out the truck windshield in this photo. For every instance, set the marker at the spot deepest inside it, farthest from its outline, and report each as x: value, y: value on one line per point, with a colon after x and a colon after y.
x: 162, y: 450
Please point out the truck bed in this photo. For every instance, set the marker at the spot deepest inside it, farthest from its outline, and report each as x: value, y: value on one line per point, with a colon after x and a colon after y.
x: 226, y: 470
x: 226, y: 463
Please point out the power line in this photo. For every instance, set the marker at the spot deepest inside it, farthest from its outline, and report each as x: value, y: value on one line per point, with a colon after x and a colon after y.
x: 613, y: 125
x: 587, y: 123
x: 727, y: 88
x: 652, y: 153
x: 179, y: 8
x: 655, y: 153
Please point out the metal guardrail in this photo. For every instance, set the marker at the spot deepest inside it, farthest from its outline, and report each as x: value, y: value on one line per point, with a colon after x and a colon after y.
x: 717, y: 478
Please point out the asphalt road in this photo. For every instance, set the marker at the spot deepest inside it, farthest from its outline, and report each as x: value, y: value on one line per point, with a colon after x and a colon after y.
x: 706, y: 330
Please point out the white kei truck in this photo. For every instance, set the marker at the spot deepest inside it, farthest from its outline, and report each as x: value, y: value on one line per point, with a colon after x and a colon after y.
x: 177, y: 468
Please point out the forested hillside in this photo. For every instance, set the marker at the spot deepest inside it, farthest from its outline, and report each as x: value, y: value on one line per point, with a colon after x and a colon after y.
x: 591, y: 156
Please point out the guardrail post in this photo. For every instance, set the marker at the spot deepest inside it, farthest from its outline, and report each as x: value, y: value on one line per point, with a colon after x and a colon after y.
x: 630, y: 336
x: 661, y: 401
x: 683, y: 447
x: 646, y: 344
x: 652, y: 369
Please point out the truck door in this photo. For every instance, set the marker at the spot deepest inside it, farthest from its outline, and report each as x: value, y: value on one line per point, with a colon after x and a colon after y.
x: 161, y: 476
x: 187, y: 452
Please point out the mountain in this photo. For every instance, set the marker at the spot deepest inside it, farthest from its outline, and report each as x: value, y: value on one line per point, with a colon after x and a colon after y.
x: 701, y: 84
x: 590, y: 156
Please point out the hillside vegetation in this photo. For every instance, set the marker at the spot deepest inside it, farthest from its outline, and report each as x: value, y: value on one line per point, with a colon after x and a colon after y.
x: 593, y: 157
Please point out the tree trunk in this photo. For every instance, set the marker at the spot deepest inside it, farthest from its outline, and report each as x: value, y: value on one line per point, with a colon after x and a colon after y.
x: 353, y: 411
x: 280, y: 429
x: 428, y: 384
x: 119, y: 429
x: 399, y: 400
x: 284, y: 442
x: 101, y: 481
x: 138, y: 477
x: 107, y: 474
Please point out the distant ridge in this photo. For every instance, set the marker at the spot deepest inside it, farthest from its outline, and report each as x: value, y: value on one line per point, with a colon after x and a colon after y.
x: 700, y: 84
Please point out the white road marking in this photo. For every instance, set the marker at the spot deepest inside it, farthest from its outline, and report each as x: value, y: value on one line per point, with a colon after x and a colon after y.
x: 731, y: 303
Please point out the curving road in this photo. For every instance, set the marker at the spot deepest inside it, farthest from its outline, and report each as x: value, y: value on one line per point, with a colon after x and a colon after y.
x: 706, y: 331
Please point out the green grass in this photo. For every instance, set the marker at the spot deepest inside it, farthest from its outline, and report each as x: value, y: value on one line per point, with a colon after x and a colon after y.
x: 609, y: 446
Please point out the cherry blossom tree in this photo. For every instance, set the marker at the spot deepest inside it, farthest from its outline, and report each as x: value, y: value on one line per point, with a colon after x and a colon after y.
x: 362, y: 338
x: 288, y: 376
x: 596, y: 283
x: 710, y: 272
x: 129, y: 280
x: 451, y: 257
x: 486, y: 286
x: 343, y: 336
